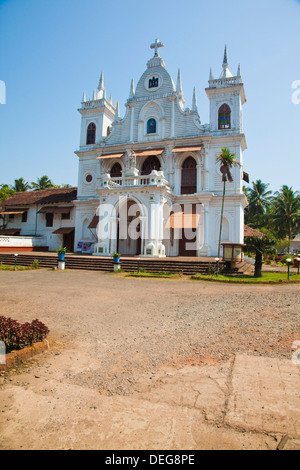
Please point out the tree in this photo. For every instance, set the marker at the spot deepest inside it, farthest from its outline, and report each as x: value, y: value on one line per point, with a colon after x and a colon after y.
x: 260, y: 245
x: 226, y: 161
x: 5, y: 191
x: 286, y: 213
x: 42, y: 183
x: 259, y: 198
x: 20, y: 185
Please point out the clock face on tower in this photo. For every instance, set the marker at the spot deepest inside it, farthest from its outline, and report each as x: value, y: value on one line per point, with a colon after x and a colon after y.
x: 153, y: 82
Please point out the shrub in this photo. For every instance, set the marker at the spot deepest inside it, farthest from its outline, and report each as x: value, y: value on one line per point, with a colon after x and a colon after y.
x: 35, y: 264
x: 17, y: 336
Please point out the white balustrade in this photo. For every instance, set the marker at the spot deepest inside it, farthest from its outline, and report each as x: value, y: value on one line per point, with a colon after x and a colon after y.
x: 156, y: 178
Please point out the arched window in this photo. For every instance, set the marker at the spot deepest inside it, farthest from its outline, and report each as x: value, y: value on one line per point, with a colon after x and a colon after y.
x: 91, y: 134
x: 224, y: 117
x: 225, y: 230
x: 189, y: 176
x: 151, y: 126
x: 150, y: 164
x: 116, y: 171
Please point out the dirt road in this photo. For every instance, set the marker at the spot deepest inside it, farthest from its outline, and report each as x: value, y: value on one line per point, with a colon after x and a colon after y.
x: 152, y: 364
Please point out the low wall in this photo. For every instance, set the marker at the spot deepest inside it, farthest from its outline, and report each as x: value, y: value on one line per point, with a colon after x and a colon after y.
x: 11, y: 243
x: 18, y: 357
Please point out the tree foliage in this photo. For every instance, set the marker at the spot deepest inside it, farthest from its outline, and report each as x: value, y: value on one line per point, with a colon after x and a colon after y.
x: 5, y: 191
x: 42, y: 183
x: 279, y: 212
x: 226, y: 159
x: 21, y: 185
x: 259, y: 246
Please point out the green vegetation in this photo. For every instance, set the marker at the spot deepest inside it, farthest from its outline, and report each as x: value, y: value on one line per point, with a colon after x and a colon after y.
x: 5, y: 191
x: 33, y: 266
x: 277, y: 215
x: 20, y: 185
x: 226, y: 161
x: 145, y: 274
x: 244, y: 279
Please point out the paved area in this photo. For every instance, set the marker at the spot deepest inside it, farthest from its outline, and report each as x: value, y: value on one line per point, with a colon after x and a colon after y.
x: 152, y: 364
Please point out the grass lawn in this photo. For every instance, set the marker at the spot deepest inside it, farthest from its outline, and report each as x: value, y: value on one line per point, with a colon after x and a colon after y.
x: 266, y: 278
x: 4, y: 267
x: 143, y: 274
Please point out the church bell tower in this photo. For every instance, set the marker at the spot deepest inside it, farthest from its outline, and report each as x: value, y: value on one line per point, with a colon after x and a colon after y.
x: 226, y: 96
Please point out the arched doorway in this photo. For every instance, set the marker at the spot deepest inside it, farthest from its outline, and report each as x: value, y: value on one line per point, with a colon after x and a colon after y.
x: 150, y: 164
x: 189, y: 176
x: 129, y: 229
x: 116, y: 171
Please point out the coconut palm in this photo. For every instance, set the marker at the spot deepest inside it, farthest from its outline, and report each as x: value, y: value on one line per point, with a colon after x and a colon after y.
x: 286, y: 212
x: 259, y: 197
x: 20, y: 185
x: 226, y: 161
x: 42, y: 183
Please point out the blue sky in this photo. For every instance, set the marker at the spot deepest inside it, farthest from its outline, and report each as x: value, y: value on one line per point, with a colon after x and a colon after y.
x: 53, y: 50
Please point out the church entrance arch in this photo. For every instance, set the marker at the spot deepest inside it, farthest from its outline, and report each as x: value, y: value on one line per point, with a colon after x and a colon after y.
x: 129, y: 228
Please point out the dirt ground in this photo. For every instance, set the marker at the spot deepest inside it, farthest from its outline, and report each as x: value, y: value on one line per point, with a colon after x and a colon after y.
x: 152, y: 364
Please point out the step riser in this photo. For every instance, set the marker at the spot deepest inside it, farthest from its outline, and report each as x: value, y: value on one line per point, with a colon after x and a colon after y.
x: 169, y: 267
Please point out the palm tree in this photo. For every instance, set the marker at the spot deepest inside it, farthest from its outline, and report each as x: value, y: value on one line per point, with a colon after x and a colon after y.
x: 20, y: 185
x: 42, y: 183
x: 260, y: 245
x: 259, y: 197
x: 226, y: 161
x: 286, y: 212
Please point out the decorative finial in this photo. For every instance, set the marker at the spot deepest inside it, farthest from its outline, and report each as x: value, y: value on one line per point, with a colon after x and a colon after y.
x: 131, y: 92
x: 194, y: 104
x: 238, y: 74
x: 211, y: 77
x: 179, y: 84
x: 156, y: 45
x: 117, y: 114
x: 225, y: 60
x: 225, y: 72
x: 83, y: 98
x: 101, y: 82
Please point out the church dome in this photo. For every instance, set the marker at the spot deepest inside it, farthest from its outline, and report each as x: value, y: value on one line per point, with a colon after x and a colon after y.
x: 155, y: 80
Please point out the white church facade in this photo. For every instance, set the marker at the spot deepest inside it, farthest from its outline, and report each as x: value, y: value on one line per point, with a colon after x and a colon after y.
x: 149, y: 183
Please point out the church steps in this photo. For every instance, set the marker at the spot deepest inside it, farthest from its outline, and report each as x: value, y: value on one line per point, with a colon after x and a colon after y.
x: 106, y: 264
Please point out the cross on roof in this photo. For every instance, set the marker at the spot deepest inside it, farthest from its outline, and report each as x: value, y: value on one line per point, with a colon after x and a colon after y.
x: 156, y: 45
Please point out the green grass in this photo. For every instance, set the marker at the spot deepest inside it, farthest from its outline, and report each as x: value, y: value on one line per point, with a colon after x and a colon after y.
x: 144, y: 274
x: 4, y: 267
x: 245, y: 279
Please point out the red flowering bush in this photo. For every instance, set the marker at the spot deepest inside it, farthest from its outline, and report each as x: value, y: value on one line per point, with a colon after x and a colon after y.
x: 17, y: 336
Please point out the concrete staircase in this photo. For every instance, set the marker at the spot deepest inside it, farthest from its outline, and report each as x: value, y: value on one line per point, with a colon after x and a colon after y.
x: 186, y: 267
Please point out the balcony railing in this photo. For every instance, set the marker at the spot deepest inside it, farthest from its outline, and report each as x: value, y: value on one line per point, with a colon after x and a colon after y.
x: 156, y: 178
x: 223, y: 82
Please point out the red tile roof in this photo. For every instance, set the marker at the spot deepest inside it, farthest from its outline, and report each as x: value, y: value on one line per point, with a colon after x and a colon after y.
x: 251, y: 232
x: 44, y: 196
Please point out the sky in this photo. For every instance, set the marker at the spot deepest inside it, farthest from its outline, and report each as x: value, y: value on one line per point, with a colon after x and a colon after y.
x: 51, y: 51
